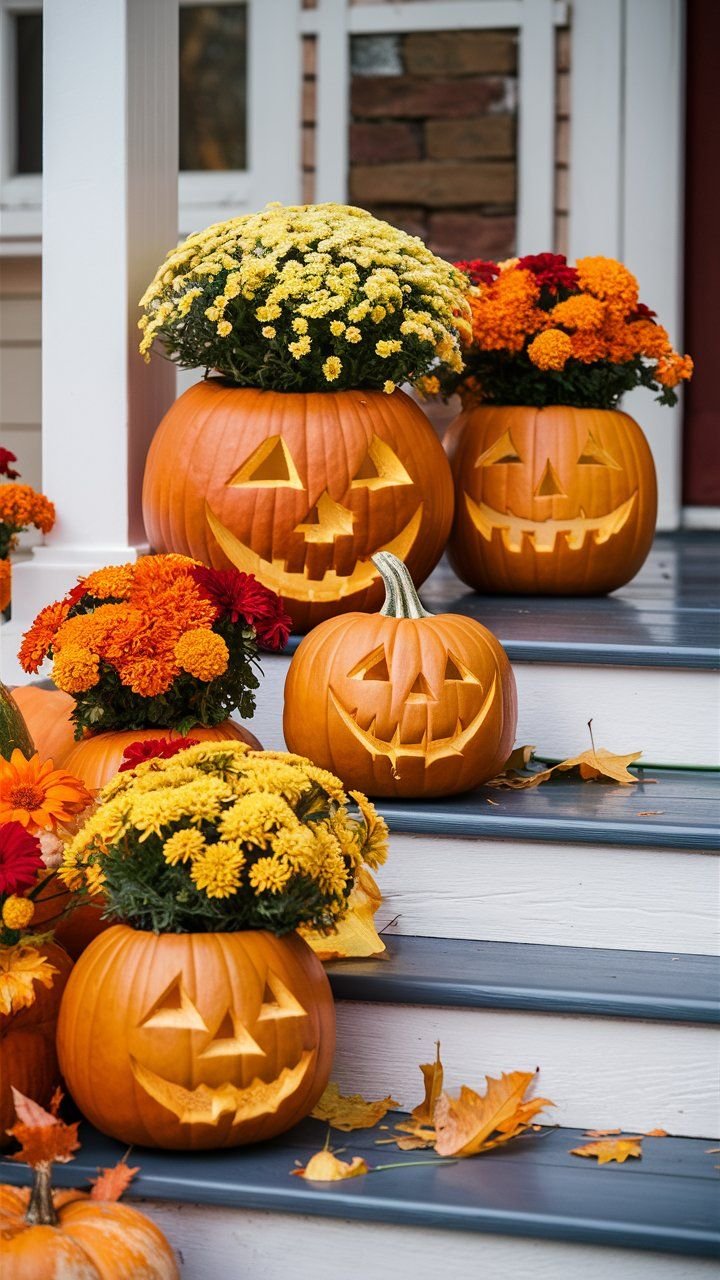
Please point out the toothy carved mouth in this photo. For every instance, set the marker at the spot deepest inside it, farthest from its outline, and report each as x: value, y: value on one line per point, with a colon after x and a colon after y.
x: 205, y: 1105
x: 429, y: 748
x: 298, y: 586
x: 543, y: 533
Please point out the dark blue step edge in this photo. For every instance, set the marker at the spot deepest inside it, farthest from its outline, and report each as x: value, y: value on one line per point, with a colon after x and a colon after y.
x: 681, y: 808
x: 532, y: 1188
x: 456, y: 973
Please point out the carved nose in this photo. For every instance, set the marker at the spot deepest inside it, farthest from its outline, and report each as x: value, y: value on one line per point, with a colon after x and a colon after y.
x: 326, y: 521
x: 550, y: 486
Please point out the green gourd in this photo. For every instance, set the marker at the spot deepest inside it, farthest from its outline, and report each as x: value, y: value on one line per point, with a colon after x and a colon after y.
x: 13, y: 730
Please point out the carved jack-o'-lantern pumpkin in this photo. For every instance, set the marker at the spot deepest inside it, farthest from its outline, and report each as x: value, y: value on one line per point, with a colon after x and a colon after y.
x: 299, y: 489
x: 416, y: 705
x: 196, y: 1040
x: 557, y: 501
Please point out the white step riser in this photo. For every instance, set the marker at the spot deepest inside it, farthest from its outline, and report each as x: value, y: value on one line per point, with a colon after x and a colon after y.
x: 663, y: 712
x: 600, y: 1072
x: 559, y: 894
x: 238, y: 1244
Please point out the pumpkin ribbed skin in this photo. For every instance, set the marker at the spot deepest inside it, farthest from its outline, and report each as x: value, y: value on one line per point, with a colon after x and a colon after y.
x: 94, y: 1240
x: 194, y: 1020
x: 573, y: 515
x: 97, y: 758
x: 13, y: 730
x: 47, y: 715
x: 28, y: 1060
x: 269, y: 526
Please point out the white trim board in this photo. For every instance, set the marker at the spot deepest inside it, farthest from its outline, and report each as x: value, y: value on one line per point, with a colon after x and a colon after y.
x: 556, y: 894
x: 241, y: 1244
x: 600, y: 1072
x: 701, y: 518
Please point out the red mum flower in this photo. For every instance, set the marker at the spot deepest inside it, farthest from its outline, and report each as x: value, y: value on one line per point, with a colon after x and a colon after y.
x: 239, y: 596
x: 6, y: 457
x: 274, y: 626
x: 20, y: 858
x: 153, y: 749
x: 550, y: 270
x: 479, y: 270
x: 642, y: 312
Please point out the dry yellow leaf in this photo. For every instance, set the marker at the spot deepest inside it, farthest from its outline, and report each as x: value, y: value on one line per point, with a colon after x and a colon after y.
x: 325, y: 1167
x: 478, y: 1122
x: 595, y: 763
x: 519, y: 758
x: 601, y: 1133
x: 432, y: 1073
x: 355, y: 936
x: 656, y: 1133
x: 351, y: 1111
x: 618, y: 1149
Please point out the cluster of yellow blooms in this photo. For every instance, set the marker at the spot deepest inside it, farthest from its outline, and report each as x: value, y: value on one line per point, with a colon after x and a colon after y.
x: 235, y: 824
x: 324, y: 292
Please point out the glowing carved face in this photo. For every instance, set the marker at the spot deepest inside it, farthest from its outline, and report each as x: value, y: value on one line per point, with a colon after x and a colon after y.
x: 318, y: 530
x: 204, y: 1064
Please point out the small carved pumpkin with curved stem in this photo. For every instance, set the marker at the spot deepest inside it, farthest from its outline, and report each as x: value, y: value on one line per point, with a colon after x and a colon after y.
x: 417, y: 705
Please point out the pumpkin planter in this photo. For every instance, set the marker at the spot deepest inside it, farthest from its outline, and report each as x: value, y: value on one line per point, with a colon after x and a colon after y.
x: 550, y: 501
x: 28, y: 1060
x: 97, y: 758
x: 416, y: 705
x: 200, y: 1040
x: 300, y: 489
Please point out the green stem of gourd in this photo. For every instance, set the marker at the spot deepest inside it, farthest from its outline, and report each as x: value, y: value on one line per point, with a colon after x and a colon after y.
x: 401, y: 598
x: 41, y: 1210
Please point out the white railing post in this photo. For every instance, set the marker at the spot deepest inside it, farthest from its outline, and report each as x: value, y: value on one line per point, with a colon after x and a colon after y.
x: 109, y: 215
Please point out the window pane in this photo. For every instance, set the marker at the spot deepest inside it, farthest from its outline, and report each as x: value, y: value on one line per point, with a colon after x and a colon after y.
x: 213, y: 86
x: 28, y: 92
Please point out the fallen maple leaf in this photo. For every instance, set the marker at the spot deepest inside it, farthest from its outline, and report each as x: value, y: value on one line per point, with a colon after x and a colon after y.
x: 351, y: 1111
x: 478, y: 1122
x: 601, y: 1133
x: 656, y: 1133
x: 595, y: 763
x: 519, y: 758
x: 112, y: 1183
x: 608, y: 1149
x: 355, y: 936
x: 432, y: 1073
x: 325, y: 1167
x: 43, y: 1138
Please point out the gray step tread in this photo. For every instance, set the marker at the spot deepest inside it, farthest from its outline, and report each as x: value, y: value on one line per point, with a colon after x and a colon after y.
x: 532, y: 1188
x: 588, y: 981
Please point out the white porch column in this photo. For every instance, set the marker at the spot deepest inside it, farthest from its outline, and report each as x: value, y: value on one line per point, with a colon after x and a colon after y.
x: 109, y: 215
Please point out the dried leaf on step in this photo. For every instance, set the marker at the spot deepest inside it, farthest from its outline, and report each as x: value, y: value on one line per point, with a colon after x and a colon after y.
x: 649, y: 813
x: 110, y: 1184
x: 601, y: 1133
x: 413, y: 1135
x: 477, y: 1122
x: 432, y: 1073
x: 43, y: 1138
x: 618, y: 1149
x: 355, y: 936
x: 656, y: 1133
x: 519, y: 758
x: 325, y: 1167
x: 351, y: 1111
x: 594, y: 764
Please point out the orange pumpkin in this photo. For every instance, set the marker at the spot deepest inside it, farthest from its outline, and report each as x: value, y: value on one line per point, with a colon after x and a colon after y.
x: 47, y: 715
x: 28, y: 1060
x: 84, y: 1239
x: 416, y: 705
x: 554, y: 501
x: 299, y: 489
x: 97, y: 758
x: 199, y: 1040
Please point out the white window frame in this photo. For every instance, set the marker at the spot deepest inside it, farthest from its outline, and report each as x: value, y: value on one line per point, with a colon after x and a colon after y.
x: 20, y: 194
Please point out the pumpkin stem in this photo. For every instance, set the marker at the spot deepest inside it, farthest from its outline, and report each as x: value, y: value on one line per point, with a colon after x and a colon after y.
x: 401, y: 598
x: 41, y: 1209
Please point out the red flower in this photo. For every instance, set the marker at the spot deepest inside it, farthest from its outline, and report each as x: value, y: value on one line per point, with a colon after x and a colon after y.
x: 642, y: 312
x: 20, y: 858
x: 239, y: 596
x: 550, y: 270
x: 6, y: 457
x: 275, y: 626
x: 479, y: 270
x: 153, y: 749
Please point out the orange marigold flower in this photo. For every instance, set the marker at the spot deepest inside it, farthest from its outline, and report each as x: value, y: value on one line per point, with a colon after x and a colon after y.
x: 551, y: 349
x: 673, y: 368
x: 75, y: 669
x: 41, y: 635
x: 37, y: 795
x: 578, y: 312
x: 91, y: 630
x: 202, y: 653
x: 588, y: 346
x: 21, y: 506
x: 147, y: 675
x: 506, y: 312
x: 116, y: 580
x: 609, y: 280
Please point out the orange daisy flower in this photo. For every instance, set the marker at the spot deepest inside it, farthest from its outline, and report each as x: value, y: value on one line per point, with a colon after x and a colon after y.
x: 38, y: 796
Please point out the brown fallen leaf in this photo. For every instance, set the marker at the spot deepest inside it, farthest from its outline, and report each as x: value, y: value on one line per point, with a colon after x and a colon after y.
x: 712, y: 1151
x: 351, y: 1111
x: 519, y: 758
x: 593, y: 764
x: 617, y: 1149
x: 111, y: 1184
x: 601, y: 1133
x: 432, y: 1073
x: 494, y: 803
x: 325, y: 1167
x: 478, y: 1122
x: 649, y: 813
x: 656, y: 1133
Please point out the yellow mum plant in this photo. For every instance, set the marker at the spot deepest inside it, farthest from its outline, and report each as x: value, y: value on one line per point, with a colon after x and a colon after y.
x: 222, y: 838
x: 308, y: 298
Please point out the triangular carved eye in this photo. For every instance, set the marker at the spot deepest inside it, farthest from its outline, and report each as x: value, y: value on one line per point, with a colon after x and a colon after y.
x: 593, y: 454
x: 456, y: 670
x: 174, y: 1008
x: 270, y: 467
x: 380, y: 467
x: 503, y: 450
x: 374, y: 667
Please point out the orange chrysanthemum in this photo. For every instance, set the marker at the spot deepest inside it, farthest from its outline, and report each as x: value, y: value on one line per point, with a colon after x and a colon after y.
x: 21, y: 506
x: 506, y: 311
x: 38, y: 796
x: 40, y: 636
x: 610, y: 281
x: 75, y: 669
x: 578, y: 312
x: 114, y: 581
x: 673, y: 368
x: 551, y: 349
x: 202, y: 654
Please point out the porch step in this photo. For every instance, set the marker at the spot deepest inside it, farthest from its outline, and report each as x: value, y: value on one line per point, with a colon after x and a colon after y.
x: 571, y: 862
x: 527, y: 1210
x: 643, y: 664
x: 621, y: 1038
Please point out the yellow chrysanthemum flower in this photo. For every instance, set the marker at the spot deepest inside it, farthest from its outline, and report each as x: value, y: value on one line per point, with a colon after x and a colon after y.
x: 217, y: 872
x: 184, y: 846
x: 332, y: 368
x: 17, y: 913
x: 269, y: 875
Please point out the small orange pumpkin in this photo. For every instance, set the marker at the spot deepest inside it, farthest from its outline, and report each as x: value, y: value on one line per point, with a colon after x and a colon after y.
x: 97, y: 758
x: 28, y: 1060
x: 47, y: 715
x: 300, y: 489
x: 200, y: 1040
x: 553, y: 501
x: 416, y: 705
